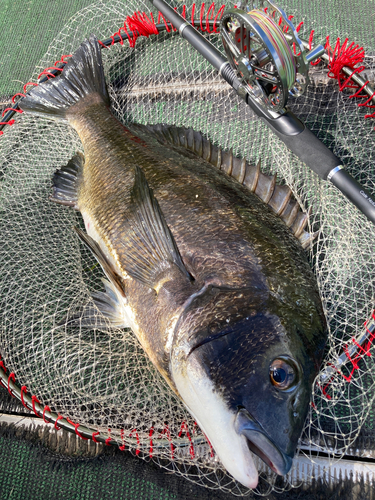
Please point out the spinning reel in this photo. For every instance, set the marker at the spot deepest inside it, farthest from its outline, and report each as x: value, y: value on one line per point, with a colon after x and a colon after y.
x: 265, y: 51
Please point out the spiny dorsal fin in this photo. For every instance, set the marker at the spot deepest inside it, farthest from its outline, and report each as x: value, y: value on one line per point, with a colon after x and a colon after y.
x: 276, y: 196
x: 152, y: 256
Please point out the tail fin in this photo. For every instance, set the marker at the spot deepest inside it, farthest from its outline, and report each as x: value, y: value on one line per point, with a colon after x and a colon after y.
x: 82, y: 75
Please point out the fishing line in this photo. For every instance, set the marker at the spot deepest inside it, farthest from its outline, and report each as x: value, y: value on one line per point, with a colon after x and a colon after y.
x: 279, y: 44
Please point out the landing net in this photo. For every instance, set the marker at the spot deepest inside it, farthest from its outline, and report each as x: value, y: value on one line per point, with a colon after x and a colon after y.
x: 102, y: 380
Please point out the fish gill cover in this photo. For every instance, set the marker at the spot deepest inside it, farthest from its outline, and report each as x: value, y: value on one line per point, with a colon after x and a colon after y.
x: 103, y: 379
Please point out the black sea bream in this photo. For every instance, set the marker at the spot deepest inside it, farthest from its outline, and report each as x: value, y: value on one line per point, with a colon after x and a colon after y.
x: 215, y: 285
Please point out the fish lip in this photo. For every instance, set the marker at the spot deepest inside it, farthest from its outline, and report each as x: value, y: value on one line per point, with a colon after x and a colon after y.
x: 261, y: 444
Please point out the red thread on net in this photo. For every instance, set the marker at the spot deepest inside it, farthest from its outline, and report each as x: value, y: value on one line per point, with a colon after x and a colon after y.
x: 294, y: 45
x: 219, y: 12
x: 12, y: 109
x: 201, y: 16
x: 365, y: 349
x: 15, y: 95
x: 350, y: 56
x: 62, y: 60
x: 109, y: 439
x: 344, y: 55
x: 76, y: 429
x: 209, y: 16
x: 362, y: 351
x: 34, y: 400
x: 59, y: 417
x: 122, y: 447
x: 325, y: 388
x: 11, y: 122
x: 166, y: 431
x: 151, y: 443
x: 23, y: 389
x: 299, y: 26
x: 29, y: 83
x: 184, y: 428
x: 366, y: 103
x: 160, y: 16
x: 94, y: 438
x: 286, y: 27
x: 46, y: 408
x: 48, y: 73
x: 141, y: 23
x: 138, y: 440
x: 13, y: 377
x: 192, y: 15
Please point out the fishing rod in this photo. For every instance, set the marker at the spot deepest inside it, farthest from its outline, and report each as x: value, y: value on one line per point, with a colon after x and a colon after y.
x: 262, y: 67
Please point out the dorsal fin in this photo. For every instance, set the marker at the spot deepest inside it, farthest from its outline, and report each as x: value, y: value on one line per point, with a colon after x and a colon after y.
x: 278, y: 197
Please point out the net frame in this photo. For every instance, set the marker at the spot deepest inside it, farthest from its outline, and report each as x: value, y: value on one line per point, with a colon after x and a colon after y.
x: 187, y: 442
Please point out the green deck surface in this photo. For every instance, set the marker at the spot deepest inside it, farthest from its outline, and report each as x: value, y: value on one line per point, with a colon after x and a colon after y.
x: 28, y: 471
x: 26, y: 30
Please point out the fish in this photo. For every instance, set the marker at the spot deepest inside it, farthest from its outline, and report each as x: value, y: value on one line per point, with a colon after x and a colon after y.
x: 204, y: 260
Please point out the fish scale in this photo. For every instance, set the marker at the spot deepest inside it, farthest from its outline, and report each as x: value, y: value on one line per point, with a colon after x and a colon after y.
x: 215, y: 285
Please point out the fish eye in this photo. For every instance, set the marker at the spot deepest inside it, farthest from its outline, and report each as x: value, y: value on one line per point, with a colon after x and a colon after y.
x: 283, y: 374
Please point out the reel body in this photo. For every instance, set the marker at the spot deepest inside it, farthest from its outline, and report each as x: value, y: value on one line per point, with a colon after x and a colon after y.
x: 264, y: 49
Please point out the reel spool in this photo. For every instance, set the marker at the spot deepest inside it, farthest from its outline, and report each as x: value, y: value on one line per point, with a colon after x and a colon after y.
x: 265, y: 51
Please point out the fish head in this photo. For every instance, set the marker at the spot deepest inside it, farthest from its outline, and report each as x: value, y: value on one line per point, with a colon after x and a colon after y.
x: 244, y: 366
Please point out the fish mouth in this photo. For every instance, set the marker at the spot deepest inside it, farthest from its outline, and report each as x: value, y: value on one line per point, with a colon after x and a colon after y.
x: 261, y: 444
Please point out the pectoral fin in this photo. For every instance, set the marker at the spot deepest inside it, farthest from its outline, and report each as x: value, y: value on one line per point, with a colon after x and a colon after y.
x: 152, y: 256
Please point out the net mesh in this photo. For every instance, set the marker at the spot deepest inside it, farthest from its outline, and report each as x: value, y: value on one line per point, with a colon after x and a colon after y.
x: 103, y: 379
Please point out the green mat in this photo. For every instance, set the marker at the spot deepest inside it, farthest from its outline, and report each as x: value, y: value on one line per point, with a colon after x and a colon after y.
x: 26, y: 30
x: 29, y: 470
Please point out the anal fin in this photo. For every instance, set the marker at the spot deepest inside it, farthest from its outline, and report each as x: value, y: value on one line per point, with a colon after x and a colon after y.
x: 110, y: 305
x: 66, y: 180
